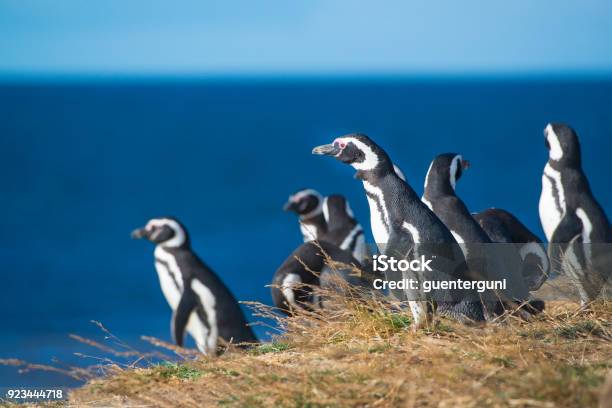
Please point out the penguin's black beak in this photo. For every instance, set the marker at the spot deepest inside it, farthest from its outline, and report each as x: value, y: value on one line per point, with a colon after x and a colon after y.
x: 326, y: 150
x: 290, y: 206
x: 465, y: 164
x: 139, y: 233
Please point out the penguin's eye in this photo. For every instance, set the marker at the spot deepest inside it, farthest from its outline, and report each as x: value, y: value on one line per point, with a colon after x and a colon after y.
x: 341, y: 145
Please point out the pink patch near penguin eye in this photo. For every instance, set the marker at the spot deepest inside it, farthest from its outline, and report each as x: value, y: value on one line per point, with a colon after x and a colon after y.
x: 340, y: 143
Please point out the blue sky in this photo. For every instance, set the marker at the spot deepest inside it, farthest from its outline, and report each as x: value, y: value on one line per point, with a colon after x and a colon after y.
x: 304, y: 37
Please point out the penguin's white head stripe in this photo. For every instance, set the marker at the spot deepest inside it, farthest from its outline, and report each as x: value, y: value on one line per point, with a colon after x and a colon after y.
x: 304, y: 194
x: 359, y: 151
x: 555, y: 151
x: 370, y: 160
x: 455, y: 163
x: 427, y: 176
x: 177, y: 239
x: 348, y: 210
x: 400, y: 173
x: 326, y: 211
x: 300, y: 195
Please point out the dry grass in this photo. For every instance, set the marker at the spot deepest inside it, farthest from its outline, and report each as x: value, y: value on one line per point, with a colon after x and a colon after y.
x: 362, y: 353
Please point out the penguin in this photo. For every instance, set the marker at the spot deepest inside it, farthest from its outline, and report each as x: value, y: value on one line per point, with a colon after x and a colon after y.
x: 315, y: 221
x: 484, y: 261
x: 503, y: 227
x: 294, y: 282
x: 403, y: 226
x: 439, y: 195
x: 200, y: 302
x: 308, y: 205
x: 342, y: 229
x: 574, y: 222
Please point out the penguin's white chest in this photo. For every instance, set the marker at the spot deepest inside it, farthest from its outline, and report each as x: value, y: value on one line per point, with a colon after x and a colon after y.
x: 378, y: 214
x: 170, y: 278
x: 206, y: 339
x: 381, y: 235
x: 309, y: 232
x: 361, y: 250
x: 172, y: 286
x: 552, y: 201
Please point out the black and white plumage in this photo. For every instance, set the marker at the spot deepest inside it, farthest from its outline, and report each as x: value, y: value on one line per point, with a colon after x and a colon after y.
x: 440, y: 196
x: 503, y: 227
x: 308, y: 205
x: 294, y: 282
x: 343, y: 229
x: 402, y: 225
x: 570, y: 214
x: 328, y: 220
x: 485, y: 261
x: 200, y: 302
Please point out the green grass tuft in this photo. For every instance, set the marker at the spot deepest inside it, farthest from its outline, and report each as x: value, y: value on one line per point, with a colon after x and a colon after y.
x: 181, y: 371
x: 398, y: 321
x: 584, y: 328
x: 504, y: 361
x: 270, y: 348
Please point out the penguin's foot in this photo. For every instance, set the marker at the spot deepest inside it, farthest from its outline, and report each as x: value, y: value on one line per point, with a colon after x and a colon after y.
x: 422, y: 314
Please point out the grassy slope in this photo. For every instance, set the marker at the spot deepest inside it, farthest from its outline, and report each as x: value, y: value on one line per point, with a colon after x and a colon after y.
x: 361, y: 355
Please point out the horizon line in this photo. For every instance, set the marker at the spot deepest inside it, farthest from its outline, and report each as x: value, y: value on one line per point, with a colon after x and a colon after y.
x: 14, y: 77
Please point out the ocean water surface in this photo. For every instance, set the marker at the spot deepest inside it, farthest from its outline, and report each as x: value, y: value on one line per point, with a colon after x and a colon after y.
x: 84, y: 163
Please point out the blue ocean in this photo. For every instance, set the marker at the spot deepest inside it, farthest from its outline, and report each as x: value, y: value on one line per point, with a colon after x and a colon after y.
x: 85, y: 162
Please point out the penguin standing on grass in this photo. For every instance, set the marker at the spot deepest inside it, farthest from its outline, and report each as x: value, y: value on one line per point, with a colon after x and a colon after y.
x: 485, y: 261
x: 575, y: 225
x: 405, y: 228
x: 200, y: 302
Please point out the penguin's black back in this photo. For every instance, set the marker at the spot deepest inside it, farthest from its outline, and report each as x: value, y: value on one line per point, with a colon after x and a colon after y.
x: 579, y: 195
x: 441, y: 195
x: 453, y: 212
x: 503, y: 227
x: 339, y: 222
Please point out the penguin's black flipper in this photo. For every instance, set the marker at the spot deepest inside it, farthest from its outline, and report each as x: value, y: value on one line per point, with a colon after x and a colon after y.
x: 566, y: 231
x: 188, y: 302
